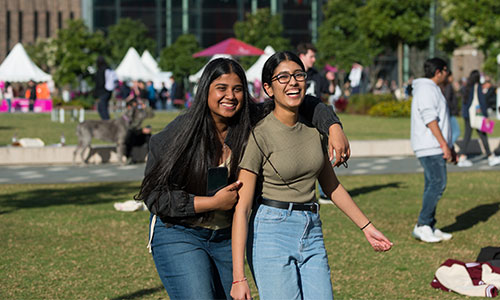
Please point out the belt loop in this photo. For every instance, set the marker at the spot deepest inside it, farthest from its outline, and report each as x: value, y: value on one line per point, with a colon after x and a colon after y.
x: 290, y: 208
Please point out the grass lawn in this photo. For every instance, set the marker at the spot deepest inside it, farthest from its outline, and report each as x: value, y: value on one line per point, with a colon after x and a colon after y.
x: 66, y: 241
x: 357, y: 127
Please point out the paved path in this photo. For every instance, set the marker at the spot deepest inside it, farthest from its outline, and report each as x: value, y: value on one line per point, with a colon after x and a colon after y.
x: 116, y: 173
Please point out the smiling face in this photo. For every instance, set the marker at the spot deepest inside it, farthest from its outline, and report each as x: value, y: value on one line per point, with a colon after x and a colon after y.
x: 225, y: 96
x: 287, y: 95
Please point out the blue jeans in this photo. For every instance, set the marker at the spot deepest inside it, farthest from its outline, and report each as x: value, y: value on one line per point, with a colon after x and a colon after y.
x: 435, y: 184
x: 287, y: 255
x: 193, y: 263
x: 455, y: 129
x: 102, y: 105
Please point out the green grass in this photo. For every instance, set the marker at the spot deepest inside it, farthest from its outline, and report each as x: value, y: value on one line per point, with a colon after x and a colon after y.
x: 357, y: 127
x: 65, y: 241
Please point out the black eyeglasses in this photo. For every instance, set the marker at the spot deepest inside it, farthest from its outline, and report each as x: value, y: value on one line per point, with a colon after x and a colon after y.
x: 284, y: 78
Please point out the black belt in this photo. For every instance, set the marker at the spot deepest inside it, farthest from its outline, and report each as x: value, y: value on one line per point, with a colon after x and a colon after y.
x: 312, y: 207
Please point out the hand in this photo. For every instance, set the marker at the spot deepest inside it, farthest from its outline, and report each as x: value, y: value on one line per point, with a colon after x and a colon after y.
x: 241, y: 291
x: 378, y: 241
x: 226, y: 198
x: 447, y: 155
x: 338, y: 141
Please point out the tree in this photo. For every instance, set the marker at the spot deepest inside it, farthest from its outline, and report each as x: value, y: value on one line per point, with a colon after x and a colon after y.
x: 261, y: 29
x: 76, y: 50
x: 43, y: 53
x: 128, y: 33
x: 390, y: 23
x: 340, y: 41
x: 475, y: 23
x: 178, y: 58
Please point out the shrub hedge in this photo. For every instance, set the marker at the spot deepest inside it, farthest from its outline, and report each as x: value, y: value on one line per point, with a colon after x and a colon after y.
x: 361, y: 103
x: 391, y: 109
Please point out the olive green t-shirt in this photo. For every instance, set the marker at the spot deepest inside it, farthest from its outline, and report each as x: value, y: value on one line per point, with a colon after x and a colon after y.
x: 297, y: 153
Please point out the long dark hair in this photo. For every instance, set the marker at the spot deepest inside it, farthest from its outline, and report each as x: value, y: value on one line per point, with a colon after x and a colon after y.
x: 196, y: 146
x: 473, y: 79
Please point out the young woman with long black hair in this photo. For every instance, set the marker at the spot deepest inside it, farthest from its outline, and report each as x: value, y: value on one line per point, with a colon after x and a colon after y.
x: 190, y: 229
x: 284, y: 157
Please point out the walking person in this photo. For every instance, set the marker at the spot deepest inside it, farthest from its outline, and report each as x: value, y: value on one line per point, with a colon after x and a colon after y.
x: 431, y: 142
x: 283, y: 159
x: 452, y: 101
x: 105, y: 79
x: 190, y: 226
x: 473, y: 100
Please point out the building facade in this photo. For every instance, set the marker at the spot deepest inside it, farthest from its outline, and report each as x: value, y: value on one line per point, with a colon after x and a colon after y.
x: 24, y: 21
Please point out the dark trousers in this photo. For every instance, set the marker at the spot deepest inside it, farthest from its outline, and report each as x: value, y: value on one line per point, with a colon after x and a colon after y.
x: 467, y: 135
x: 135, y: 138
x: 102, y: 105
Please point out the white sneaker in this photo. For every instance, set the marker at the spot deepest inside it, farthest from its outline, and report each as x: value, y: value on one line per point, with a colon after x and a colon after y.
x: 443, y: 235
x: 425, y: 234
x: 493, y: 160
x: 464, y: 162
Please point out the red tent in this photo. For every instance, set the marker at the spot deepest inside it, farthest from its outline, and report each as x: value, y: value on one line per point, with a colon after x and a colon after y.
x: 232, y: 47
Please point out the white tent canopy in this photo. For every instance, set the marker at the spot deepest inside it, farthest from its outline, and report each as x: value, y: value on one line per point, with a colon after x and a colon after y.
x: 18, y: 67
x: 255, y: 71
x: 132, y: 67
x: 196, y: 77
x: 148, y: 60
x: 159, y: 76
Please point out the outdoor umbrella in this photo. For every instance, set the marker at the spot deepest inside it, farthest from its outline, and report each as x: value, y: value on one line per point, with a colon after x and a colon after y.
x: 232, y: 47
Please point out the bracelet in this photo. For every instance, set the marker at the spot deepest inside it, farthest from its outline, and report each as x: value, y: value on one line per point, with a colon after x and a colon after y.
x: 369, y: 222
x: 238, y: 281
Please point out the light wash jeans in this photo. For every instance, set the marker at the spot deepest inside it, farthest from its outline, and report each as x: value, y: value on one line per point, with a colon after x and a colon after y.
x: 287, y: 255
x: 455, y: 129
x: 435, y: 184
x: 193, y: 263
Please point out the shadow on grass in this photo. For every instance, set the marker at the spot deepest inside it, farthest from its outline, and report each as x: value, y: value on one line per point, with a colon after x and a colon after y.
x: 139, y: 294
x: 6, y: 127
x: 74, y: 195
x: 473, y: 216
x: 373, y: 188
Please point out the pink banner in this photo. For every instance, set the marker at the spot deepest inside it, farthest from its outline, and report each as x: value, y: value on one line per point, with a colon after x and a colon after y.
x: 20, y: 104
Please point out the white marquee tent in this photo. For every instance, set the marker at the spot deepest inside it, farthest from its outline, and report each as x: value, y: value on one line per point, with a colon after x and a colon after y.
x: 255, y: 71
x: 159, y: 76
x: 132, y: 68
x: 18, y: 67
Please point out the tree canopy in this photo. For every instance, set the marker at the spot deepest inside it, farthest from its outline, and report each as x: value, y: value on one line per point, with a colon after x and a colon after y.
x: 128, y: 33
x: 76, y: 50
x: 472, y: 22
x: 178, y: 58
x: 340, y: 41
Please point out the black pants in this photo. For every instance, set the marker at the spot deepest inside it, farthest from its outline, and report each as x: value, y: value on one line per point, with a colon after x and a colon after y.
x: 135, y: 138
x: 102, y: 105
x: 467, y: 135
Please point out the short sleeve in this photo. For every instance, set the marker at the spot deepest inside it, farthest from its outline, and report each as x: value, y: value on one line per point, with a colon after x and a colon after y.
x: 253, y: 157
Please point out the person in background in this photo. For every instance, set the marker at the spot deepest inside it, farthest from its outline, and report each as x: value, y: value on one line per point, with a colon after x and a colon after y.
x: 31, y: 94
x: 473, y: 90
x: 8, y: 95
x: 431, y: 142
x: 151, y: 94
x: 105, y: 81
x: 452, y: 101
x: 282, y: 161
x: 190, y: 228
x: 490, y: 94
x: 163, y: 96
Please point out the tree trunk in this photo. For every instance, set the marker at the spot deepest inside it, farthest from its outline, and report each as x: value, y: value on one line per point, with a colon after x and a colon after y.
x: 400, y: 64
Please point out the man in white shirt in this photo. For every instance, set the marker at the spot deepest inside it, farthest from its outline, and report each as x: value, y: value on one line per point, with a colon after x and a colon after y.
x: 431, y: 142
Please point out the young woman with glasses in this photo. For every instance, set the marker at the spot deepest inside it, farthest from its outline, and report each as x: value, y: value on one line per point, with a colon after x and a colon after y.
x: 283, y: 158
x: 190, y: 228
